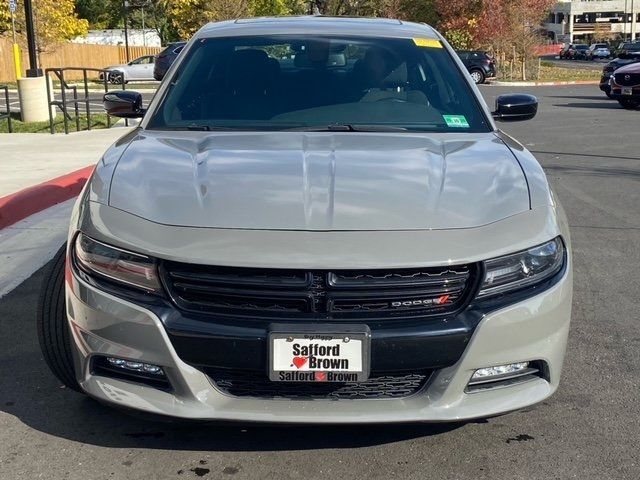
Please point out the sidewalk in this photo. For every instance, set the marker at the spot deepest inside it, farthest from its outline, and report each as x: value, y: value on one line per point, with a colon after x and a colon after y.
x: 27, y: 159
x: 40, y: 174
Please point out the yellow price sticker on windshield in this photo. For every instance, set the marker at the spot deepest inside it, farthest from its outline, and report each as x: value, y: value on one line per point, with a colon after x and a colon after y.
x: 427, y: 42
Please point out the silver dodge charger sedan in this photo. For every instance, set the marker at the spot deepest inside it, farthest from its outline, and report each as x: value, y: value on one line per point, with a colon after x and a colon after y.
x: 317, y: 220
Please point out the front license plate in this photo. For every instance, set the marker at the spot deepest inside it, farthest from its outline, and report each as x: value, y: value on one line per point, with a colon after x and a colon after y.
x: 319, y: 354
x: 627, y: 91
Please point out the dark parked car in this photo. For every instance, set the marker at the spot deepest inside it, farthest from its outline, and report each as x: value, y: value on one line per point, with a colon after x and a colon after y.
x: 627, y: 48
x: 574, y: 52
x: 625, y: 86
x: 480, y: 65
x: 580, y: 52
x: 612, y: 66
x: 166, y: 58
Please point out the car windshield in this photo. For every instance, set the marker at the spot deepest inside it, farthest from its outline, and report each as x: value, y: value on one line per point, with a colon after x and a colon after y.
x: 311, y: 82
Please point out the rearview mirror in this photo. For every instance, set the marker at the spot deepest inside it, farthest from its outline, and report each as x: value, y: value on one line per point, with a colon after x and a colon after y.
x: 123, y: 104
x: 515, y: 107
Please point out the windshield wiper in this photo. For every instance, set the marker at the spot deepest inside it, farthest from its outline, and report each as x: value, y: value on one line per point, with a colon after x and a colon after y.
x: 353, y: 127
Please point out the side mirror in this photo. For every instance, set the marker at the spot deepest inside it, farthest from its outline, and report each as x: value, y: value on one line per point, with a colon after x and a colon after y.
x: 515, y: 107
x: 123, y: 104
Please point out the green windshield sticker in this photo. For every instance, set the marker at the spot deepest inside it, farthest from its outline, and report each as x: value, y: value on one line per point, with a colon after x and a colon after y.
x: 456, y: 121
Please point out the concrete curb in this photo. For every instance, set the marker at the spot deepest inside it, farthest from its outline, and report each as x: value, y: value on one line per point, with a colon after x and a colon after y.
x: 26, y: 202
x: 545, y: 84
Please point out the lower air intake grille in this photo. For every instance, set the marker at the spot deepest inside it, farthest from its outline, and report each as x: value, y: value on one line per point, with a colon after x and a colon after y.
x: 253, y: 384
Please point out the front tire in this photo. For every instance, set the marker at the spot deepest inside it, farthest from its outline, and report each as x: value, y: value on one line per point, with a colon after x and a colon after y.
x: 52, y: 325
x: 477, y: 76
x: 629, y: 104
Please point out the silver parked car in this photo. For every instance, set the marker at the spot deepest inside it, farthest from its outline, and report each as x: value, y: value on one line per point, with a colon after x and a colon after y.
x: 598, y: 50
x: 139, y: 69
x: 318, y: 209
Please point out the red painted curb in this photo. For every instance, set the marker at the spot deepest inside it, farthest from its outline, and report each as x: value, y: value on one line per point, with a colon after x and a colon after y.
x: 19, y: 205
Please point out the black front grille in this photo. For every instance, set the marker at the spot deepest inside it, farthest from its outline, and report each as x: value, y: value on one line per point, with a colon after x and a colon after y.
x: 318, y: 294
x: 627, y: 79
x: 252, y: 384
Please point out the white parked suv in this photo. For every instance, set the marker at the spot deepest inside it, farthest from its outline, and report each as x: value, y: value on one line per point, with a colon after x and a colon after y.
x: 317, y: 220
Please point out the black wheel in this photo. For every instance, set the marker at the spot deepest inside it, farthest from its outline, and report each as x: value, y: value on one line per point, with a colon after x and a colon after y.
x: 629, y: 103
x: 116, y: 78
x: 477, y: 76
x: 52, y: 325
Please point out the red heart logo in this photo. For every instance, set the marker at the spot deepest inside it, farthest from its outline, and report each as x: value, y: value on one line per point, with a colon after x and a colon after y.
x: 299, y: 361
x: 321, y: 377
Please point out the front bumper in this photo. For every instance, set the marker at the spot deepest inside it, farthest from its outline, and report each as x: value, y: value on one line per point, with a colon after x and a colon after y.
x: 616, y: 92
x: 532, y: 329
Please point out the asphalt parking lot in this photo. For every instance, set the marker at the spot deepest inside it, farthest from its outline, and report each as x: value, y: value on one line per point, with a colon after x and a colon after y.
x: 589, y: 430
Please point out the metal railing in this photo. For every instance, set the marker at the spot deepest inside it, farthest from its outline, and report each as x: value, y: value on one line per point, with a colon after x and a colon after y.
x: 7, y: 113
x: 69, y: 95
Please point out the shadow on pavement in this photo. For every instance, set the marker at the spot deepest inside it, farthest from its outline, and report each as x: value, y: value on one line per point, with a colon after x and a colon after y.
x: 599, y: 98
x: 594, y: 171
x: 29, y: 392
x: 605, y: 104
x: 582, y: 154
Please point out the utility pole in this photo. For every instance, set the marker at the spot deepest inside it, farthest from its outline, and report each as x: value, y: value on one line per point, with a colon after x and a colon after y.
x: 33, y: 70
x: 125, y: 5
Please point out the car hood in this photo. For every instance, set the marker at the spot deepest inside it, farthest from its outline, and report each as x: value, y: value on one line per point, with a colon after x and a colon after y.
x: 319, y: 181
x: 631, y: 68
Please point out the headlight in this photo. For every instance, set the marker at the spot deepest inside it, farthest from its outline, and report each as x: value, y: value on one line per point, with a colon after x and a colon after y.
x: 522, y: 269
x: 96, y: 258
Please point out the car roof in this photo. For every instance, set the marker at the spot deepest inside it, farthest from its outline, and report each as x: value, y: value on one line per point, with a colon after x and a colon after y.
x: 317, y: 24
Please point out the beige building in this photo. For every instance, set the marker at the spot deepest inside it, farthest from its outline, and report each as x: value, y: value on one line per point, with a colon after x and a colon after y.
x: 576, y: 20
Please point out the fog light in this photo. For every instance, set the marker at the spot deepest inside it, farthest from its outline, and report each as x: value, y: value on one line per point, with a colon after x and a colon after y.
x: 487, y: 372
x: 135, y: 366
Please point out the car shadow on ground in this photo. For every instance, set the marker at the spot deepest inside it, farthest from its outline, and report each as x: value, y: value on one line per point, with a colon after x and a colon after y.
x: 29, y: 392
x: 604, y: 104
x: 610, y: 171
x: 602, y: 97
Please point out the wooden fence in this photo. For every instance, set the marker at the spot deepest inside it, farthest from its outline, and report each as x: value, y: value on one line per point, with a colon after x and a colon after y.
x: 71, y: 55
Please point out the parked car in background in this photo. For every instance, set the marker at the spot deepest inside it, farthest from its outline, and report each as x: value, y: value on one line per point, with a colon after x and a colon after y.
x: 166, y: 58
x: 580, y: 52
x: 612, y: 66
x: 139, y: 69
x: 566, y: 52
x: 480, y: 64
x: 625, y: 86
x: 627, y: 48
x: 598, y: 50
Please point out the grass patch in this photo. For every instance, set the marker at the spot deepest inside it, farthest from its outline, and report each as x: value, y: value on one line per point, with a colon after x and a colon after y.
x: 559, y: 74
x: 98, y: 121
